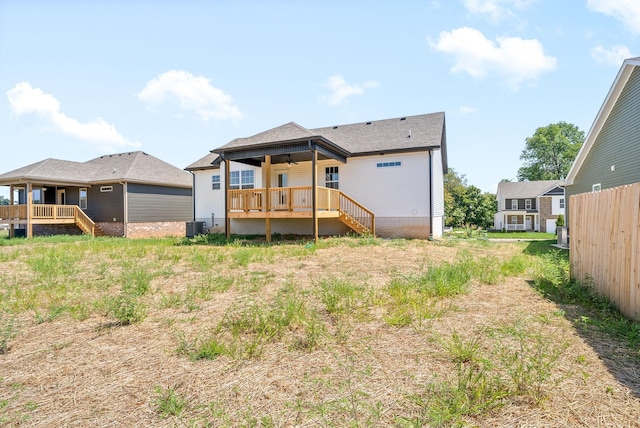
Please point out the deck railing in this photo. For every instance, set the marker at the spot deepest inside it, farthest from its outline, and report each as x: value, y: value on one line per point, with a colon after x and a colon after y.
x: 13, y: 212
x: 283, y: 199
x: 515, y: 227
x: 48, y: 213
x: 52, y: 212
x: 356, y: 211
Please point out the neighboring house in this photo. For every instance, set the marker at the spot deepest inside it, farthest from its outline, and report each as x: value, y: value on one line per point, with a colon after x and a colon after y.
x: 610, y: 155
x: 382, y: 177
x: 529, y: 205
x: 126, y: 194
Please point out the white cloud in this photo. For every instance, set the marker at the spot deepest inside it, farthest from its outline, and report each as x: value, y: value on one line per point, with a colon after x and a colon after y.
x: 496, y: 10
x: 614, y: 56
x: 517, y: 61
x: 192, y: 93
x: 341, y: 90
x: 25, y: 99
x: 627, y: 11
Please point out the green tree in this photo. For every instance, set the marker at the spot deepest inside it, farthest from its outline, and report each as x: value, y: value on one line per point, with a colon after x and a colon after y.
x: 3, y: 200
x: 549, y: 153
x: 466, y: 204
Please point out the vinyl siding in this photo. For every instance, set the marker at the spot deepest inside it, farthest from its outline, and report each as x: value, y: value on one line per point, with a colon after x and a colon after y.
x: 101, y: 206
x: 617, y: 144
x: 146, y: 203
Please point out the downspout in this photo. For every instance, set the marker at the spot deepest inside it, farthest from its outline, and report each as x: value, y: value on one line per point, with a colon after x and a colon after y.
x: 193, y: 196
x: 430, y: 196
x: 125, y: 218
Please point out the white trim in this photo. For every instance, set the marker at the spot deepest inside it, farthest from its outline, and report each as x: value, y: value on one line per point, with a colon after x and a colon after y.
x: 106, y: 188
x: 612, y: 97
x: 596, y: 187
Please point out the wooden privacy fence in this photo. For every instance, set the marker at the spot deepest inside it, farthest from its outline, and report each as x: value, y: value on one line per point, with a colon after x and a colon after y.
x: 604, y: 244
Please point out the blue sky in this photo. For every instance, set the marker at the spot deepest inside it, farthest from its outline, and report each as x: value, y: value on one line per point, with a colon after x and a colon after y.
x: 177, y: 79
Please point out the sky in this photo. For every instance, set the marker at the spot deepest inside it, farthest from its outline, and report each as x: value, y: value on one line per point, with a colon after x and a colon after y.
x: 176, y: 79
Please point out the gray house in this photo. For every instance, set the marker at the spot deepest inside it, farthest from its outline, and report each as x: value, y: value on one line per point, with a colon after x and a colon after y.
x: 610, y: 155
x: 126, y: 194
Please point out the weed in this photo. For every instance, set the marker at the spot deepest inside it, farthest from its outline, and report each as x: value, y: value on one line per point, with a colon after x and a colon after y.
x: 126, y: 308
x: 168, y: 402
x: 8, y: 331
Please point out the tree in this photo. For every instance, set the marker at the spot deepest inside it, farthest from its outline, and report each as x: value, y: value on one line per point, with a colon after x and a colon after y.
x: 3, y: 200
x: 549, y: 153
x: 464, y: 204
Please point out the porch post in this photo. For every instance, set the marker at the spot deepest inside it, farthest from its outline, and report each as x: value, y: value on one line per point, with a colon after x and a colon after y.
x: 314, y: 193
x: 29, y: 203
x: 227, y: 220
x: 267, y: 198
x: 12, y: 226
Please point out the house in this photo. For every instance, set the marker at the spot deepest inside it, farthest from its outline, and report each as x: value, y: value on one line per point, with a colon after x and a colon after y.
x: 126, y: 194
x: 610, y: 155
x: 529, y: 205
x: 381, y: 177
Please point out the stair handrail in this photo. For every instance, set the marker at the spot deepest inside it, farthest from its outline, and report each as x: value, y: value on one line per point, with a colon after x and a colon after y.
x: 358, y: 212
x: 83, y: 221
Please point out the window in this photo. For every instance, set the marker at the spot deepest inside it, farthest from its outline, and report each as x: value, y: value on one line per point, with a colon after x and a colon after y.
x: 331, y: 177
x: 596, y: 187
x: 241, y: 179
x: 561, y: 203
x: 514, y: 219
x: 215, y: 182
x: 36, y: 196
x: 527, y: 204
x: 387, y: 164
x: 514, y: 204
x: 83, y: 198
x: 106, y: 188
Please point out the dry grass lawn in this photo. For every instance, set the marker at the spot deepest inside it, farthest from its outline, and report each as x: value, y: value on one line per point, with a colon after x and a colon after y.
x: 340, y: 342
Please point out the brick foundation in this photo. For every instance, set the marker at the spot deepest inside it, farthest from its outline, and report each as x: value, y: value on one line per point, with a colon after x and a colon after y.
x: 111, y: 228
x: 156, y: 229
x: 56, y: 229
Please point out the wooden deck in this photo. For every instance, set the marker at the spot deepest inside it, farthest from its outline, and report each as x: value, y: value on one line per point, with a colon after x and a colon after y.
x: 47, y: 214
x: 296, y: 202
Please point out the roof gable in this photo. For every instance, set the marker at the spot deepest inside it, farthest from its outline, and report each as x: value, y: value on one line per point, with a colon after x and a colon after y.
x: 526, y: 189
x: 610, y: 101
x: 288, y: 132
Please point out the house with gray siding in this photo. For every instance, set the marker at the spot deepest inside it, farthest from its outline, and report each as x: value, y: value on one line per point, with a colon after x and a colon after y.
x: 529, y: 205
x: 126, y: 194
x: 382, y: 177
x: 610, y: 155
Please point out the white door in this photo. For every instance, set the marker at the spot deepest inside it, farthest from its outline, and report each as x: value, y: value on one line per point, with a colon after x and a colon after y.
x: 527, y: 222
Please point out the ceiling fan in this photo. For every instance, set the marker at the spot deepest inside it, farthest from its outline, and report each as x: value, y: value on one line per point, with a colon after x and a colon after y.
x: 291, y: 161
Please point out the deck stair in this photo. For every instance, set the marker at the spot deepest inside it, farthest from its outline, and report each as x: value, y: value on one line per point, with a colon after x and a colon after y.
x: 356, y: 216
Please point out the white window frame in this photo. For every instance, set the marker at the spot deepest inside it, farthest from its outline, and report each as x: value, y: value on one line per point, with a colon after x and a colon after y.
x: 215, y: 182
x: 106, y: 188
x: 388, y: 164
x: 332, y: 177
x: 514, y: 204
x: 243, y: 179
x: 596, y: 187
x: 40, y: 198
x: 514, y: 219
x: 82, y: 200
x: 561, y: 203
x: 527, y: 204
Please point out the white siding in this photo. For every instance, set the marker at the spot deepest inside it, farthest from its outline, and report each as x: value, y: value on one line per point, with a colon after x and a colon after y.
x: 210, y: 203
x: 555, y: 205
x: 397, y: 191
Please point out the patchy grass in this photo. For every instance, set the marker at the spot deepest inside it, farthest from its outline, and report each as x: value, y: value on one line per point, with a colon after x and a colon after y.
x: 353, y: 331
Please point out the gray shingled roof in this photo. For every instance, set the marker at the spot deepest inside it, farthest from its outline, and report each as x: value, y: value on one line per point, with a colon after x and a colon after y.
x: 205, y: 162
x: 138, y: 167
x: 399, y: 134
x: 526, y: 189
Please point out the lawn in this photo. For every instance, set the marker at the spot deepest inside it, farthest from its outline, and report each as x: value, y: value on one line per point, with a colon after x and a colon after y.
x: 347, y: 332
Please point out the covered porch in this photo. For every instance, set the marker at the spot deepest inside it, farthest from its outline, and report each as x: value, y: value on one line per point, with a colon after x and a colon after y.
x: 521, y: 221
x: 32, y: 207
x: 286, y: 145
